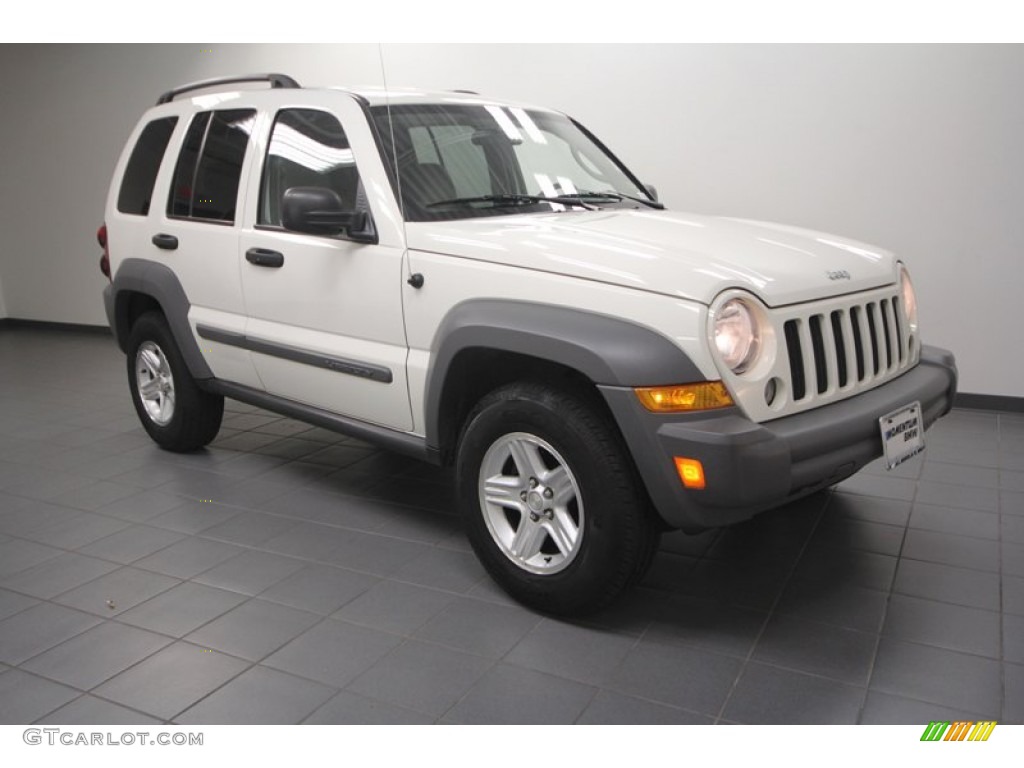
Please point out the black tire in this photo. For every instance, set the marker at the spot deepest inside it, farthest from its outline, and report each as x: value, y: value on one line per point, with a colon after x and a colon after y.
x: 598, y: 492
x: 181, y: 417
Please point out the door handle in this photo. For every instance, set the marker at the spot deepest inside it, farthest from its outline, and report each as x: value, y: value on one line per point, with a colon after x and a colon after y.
x: 166, y: 242
x: 263, y: 257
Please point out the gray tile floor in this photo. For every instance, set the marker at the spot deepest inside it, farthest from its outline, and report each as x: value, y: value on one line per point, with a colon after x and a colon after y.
x: 290, y: 575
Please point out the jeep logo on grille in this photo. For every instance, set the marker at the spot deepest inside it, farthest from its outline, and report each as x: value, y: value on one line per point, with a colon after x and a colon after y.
x: 837, y: 274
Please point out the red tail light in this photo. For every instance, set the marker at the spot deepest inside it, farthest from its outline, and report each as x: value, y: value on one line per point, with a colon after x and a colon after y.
x: 101, y: 238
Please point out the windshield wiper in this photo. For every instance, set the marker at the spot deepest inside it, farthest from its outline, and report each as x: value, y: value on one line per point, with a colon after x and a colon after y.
x: 515, y: 199
x: 620, y: 196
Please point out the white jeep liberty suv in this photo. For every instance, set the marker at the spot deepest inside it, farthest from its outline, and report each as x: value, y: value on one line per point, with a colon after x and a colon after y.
x: 480, y: 283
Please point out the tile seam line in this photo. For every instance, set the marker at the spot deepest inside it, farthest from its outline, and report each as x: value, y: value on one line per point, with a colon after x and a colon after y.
x: 101, y: 698
x: 252, y: 664
x: 1002, y: 604
x: 771, y: 609
x: 406, y: 639
x: 888, y: 603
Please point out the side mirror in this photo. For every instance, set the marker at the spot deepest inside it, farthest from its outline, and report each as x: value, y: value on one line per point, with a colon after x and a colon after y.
x: 652, y: 191
x: 318, y: 211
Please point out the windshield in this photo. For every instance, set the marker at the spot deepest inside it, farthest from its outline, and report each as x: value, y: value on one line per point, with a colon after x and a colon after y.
x: 462, y: 160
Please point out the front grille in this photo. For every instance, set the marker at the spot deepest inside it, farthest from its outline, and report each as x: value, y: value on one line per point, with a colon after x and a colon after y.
x: 845, y: 349
x: 826, y: 351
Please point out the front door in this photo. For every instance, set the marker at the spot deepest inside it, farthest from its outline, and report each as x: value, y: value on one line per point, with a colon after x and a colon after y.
x: 325, y: 325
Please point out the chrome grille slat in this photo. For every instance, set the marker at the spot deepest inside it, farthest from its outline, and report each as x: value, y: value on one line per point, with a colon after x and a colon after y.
x: 875, y: 326
x: 880, y: 340
x: 883, y: 311
x: 901, y: 334
x: 807, y: 348
x: 846, y: 323
x: 885, y: 361
x: 834, y: 352
x: 831, y: 356
x: 856, y: 318
x: 894, y: 361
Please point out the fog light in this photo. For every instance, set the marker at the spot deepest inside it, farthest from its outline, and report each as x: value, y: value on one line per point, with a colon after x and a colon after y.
x: 691, y: 472
x: 702, y: 396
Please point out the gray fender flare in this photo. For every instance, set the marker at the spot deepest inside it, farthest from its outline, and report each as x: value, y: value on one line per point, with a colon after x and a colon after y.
x: 161, y: 284
x: 607, y: 350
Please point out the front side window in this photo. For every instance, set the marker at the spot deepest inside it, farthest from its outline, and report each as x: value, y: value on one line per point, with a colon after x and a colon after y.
x: 209, y: 169
x: 144, y: 164
x: 462, y: 160
x: 308, y: 148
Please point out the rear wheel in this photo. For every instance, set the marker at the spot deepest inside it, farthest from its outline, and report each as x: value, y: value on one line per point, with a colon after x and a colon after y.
x: 176, y: 413
x: 552, y: 504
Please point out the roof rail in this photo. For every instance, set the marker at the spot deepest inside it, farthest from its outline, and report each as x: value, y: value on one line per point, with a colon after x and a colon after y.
x: 464, y: 90
x: 275, y: 80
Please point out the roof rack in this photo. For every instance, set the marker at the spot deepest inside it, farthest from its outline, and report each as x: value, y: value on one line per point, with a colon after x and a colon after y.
x: 275, y: 80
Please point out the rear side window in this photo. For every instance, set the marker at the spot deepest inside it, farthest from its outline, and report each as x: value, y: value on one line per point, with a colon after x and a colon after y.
x: 206, y: 178
x: 180, y: 203
x: 140, y: 173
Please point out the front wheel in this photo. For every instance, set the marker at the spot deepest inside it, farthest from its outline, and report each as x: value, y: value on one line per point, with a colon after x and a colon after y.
x: 176, y: 413
x: 552, y: 504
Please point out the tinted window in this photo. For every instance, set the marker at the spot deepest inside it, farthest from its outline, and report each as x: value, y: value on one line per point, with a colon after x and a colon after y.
x: 443, y: 157
x: 208, y: 189
x: 308, y: 148
x: 465, y: 161
x: 140, y: 173
x: 180, y: 203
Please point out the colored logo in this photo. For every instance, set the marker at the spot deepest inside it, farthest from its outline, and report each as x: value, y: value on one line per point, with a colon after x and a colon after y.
x: 961, y: 730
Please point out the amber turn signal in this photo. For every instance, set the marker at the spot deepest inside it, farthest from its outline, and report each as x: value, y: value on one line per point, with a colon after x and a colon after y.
x: 691, y: 472
x: 702, y: 396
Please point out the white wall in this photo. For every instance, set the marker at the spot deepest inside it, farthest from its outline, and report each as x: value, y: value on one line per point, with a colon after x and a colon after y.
x: 915, y: 148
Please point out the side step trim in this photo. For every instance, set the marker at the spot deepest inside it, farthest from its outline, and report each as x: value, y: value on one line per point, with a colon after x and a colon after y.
x: 400, y: 442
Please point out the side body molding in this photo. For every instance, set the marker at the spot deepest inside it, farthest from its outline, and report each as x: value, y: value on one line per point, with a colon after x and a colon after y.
x: 158, y: 282
x: 605, y: 349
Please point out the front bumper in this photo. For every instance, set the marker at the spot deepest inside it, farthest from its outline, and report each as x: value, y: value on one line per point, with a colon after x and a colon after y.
x: 752, y: 467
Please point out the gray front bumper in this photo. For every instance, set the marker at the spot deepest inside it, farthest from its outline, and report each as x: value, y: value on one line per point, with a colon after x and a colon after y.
x: 752, y: 467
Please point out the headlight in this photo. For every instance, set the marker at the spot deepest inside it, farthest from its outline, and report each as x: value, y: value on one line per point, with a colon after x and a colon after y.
x: 909, y: 299
x: 737, y: 335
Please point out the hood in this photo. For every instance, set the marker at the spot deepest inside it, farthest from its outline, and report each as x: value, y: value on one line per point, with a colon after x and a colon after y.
x: 676, y: 254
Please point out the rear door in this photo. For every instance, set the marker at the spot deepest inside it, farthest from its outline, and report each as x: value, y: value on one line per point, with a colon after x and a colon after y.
x: 195, y: 229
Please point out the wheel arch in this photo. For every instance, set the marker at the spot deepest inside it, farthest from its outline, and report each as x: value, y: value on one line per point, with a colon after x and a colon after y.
x: 140, y: 286
x: 484, y: 343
